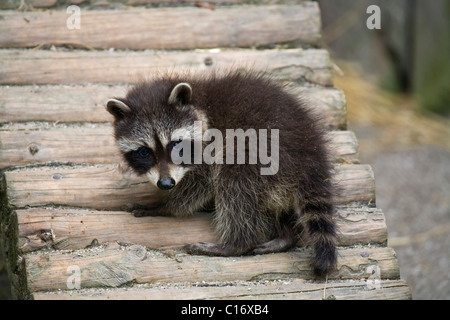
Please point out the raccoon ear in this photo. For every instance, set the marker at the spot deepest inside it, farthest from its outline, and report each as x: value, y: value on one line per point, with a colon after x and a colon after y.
x: 117, y: 108
x: 181, y: 94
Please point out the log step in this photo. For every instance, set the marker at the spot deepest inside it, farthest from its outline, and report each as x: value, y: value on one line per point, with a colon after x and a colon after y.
x: 21, y: 67
x: 110, y: 187
x: 72, y: 229
x: 30, y: 143
x: 89, y: 4
x: 166, y: 28
x: 287, y: 289
x: 87, y: 103
x: 114, y: 265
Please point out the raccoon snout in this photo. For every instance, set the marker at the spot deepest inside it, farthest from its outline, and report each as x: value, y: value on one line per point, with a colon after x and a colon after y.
x: 165, y: 184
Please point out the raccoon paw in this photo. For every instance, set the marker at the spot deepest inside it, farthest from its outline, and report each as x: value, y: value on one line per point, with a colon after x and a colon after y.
x: 142, y: 211
x: 212, y: 249
x: 275, y: 245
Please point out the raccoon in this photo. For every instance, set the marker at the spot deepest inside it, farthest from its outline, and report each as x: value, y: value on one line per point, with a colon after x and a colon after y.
x: 253, y: 213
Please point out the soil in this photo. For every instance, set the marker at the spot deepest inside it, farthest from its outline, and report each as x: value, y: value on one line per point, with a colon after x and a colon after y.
x: 413, y: 190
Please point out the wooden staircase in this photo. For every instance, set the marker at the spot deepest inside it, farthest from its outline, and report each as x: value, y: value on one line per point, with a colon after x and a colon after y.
x: 65, y: 230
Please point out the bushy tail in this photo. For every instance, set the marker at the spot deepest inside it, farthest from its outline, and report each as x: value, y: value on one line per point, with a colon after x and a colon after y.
x: 322, y: 235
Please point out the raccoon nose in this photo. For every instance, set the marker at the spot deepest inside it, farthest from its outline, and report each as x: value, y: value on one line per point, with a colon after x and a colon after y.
x: 165, y: 184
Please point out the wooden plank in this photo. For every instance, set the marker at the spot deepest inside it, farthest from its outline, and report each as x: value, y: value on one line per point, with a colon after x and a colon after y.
x: 15, y: 4
x: 166, y: 28
x: 357, y: 184
x: 215, y: 2
x: 57, y: 103
x: 98, y: 187
x: 86, y: 103
x: 343, y: 146
x: 295, y: 289
x: 113, y: 265
x: 36, y: 143
x: 111, y: 187
x: 330, y: 106
x: 78, y: 67
x: 57, y: 228
x: 29, y: 143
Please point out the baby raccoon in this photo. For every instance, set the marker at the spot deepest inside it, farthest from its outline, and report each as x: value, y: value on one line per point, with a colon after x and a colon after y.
x: 165, y: 127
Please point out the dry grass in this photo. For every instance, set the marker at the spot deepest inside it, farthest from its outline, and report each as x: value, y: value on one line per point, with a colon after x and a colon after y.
x: 396, y: 117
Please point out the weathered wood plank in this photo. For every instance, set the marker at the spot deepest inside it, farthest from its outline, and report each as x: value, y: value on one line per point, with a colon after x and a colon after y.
x: 296, y: 289
x: 110, y: 187
x: 113, y: 266
x: 73, y: 229
x: 166, y: 28
x: 216, y: 2
x: 77, y: 67
x: 29, y: 143
x: 58, y: 103
x: 15, y: 4
x: 86, y: 103
x: 37, y: 143
x: 357, y: 184
x: 330, y: 105
x: 343, y: 146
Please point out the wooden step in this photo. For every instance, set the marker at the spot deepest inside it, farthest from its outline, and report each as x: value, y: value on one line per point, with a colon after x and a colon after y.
x: 166, y: 28
x: 114, y: 265
x: 286, y: 289
x: 72, y: 229
x: 30, y: 143
x: 110, y: 187
x: 90, y: 4
x: 21, y: 67
x: 63, y: 103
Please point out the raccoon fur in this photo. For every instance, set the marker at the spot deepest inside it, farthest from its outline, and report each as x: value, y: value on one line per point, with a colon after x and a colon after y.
x: 252, y: 213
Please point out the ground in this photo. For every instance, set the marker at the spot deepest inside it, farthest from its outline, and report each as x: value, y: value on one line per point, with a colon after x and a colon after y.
x: 410, y: 155
x: 413, y: 189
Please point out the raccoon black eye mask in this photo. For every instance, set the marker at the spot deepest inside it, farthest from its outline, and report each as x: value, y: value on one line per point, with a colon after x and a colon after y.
x: 141, y: 159
x: 253, y: 212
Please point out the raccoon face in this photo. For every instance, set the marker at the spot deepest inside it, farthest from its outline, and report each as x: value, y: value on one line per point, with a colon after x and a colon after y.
x: 151, y: 127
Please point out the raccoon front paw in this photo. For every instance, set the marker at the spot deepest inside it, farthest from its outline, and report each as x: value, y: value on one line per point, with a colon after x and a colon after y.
x: 142, y: 211
x: 275, y: 245
x: 212, y: 249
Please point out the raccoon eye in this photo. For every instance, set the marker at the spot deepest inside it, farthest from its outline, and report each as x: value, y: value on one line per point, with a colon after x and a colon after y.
x: 143, y: 152
x: 141, y: 159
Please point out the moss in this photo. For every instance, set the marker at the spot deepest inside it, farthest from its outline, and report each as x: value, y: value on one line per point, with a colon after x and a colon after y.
x: 14, y: 263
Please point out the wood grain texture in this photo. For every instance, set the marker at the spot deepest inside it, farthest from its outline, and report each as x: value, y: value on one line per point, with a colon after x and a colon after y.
x: 59, y: 103
x: 55, y: 228
x: 113, y: 265
x: 21, y: 67
x: 23, y: 144
x: 110, y: 187
x: 87, y: 103
x: 296, y: 289
x: 166, y: 28
x: 15, y: 4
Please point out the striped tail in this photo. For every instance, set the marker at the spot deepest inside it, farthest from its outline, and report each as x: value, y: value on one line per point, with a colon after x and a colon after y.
x: 322, y: 235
